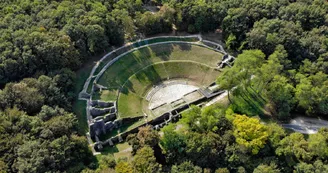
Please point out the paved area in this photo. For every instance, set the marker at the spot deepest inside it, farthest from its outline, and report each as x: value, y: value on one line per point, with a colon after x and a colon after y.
x: 306, y: 125
x: 170, y: 93
x: 217, y: 98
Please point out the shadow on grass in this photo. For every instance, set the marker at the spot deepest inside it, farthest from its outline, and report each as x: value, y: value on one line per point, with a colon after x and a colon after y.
x: 123, y: 128
x: 185, y: 47
x: 80, y: 111
x: 249, y: 102
x: 163, y: 51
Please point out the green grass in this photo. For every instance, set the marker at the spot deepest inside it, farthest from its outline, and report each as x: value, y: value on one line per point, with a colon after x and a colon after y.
x: 131, y: 101
x: 249, y: 103
x: 79, y: 106
x: 118, y: 151
x: 129, y: 105
x: 139, y: 44
x: 105, y: 95
x: 135, y: 73
x: 79, y: 109
x: 118, y: 74
x: 90, y: 85
x: 122, y: 129
x: 189, y: 70
x: 120, y: 71
x: 142, y: 81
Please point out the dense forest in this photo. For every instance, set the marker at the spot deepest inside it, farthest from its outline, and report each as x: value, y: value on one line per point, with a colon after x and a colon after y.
x: 282, y: 65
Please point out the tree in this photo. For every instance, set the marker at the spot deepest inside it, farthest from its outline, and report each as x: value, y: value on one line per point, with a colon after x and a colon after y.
x: 239, y: 75
x: 222, y: 170
x: 311, y: 93
x: 145, y: 161
x: 318, y: 145
x: 266, y: 34
x: 207, y: 119
x: 276, y: 134
x: 32, y: 157
x: 3, y: 167
x: 107, y: 162
x: 123, y: 167
x: 250, y: 133
x: 272, y: 168
x: 173, y: 144
x: 236, y: 23
x: 316, y: 167
x: 21, y: 95
x: 296, y: 146
x: 145, y: 137
x: 280, y: 92
x: 205, y: 150
x: 310, y: 16
x: 186, y: 167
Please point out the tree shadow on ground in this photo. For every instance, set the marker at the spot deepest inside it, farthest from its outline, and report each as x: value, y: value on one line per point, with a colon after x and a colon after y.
x: 163, y: 51
x: 249, y: 103
x: 128, y: 87
x: 185, y: 46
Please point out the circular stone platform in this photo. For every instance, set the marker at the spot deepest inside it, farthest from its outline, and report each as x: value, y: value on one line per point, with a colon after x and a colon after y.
x: 168, y: 92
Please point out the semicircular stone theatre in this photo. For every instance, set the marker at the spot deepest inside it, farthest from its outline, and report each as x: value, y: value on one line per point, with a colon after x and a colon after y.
x: 150, y: 81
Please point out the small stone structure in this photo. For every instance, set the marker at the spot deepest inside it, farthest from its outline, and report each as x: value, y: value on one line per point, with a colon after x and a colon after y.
x: 103, y: 116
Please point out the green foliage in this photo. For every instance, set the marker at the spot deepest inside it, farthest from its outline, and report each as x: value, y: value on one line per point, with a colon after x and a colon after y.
x: 186, y: 167
x: 107, y: 161
x: 296, y: 146
x: 236, y: 22
x: 144, y: 161
x: 231, y: 42
x: 318, y: 145
x: 31, y: 144
x: 272, y: 168
x: 123, y: 167
x: 205, y: 120
x: 173, y: 144
x: 276, y: 134
x: 311, y: 93
x: 250, y: 133
x: 222, y: 170
x: 316, y: 167
x: 149, y: 23
x: 48, y: 39
x: 145, y: 137
x: 205, y: 150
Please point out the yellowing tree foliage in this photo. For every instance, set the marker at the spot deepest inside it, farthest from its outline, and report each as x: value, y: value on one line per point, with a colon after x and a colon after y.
x: 250, y: 132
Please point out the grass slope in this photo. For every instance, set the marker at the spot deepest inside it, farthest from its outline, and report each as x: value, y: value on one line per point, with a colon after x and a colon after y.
x: 120, y: 71
x: 131, y: 101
